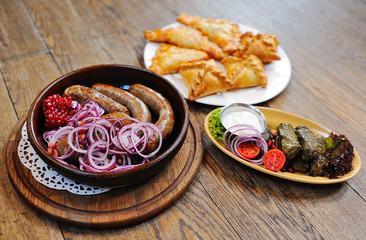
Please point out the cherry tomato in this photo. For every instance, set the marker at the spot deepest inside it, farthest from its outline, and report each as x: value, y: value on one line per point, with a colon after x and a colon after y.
x: 274, y: 159
x: 248, y: 150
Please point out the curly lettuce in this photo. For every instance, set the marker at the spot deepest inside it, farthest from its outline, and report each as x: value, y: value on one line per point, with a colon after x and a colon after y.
x: 339, y: 154
x: 215, y: 126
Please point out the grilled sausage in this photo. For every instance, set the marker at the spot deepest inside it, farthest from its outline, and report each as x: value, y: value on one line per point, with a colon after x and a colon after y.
x: 136, y: 106
x: 117, y: 115
x: 82, y: 94
x: 159, y: 104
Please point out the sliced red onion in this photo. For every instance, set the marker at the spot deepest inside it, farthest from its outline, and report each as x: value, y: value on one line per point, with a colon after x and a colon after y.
x: 94, y: 160
x: 126, y: 167
x: 157, y: 131
x: 76, y: 105
x: 106, y: 139
x: 94, y: 152
x: 84, y: 166
x: 73, y: 139
x: 238, y: 134
x: 88, y: 109
x: 60, y: 133
x: 47, y: 135
x: 69, y: 152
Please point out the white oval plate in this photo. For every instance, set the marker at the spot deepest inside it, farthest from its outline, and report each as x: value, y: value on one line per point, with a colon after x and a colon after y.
x: 278, y: 73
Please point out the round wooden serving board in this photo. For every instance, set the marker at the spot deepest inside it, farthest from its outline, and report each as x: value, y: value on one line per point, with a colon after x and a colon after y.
x: 117, y: 207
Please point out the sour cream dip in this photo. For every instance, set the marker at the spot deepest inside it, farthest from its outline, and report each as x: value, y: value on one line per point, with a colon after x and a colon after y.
x: 239, y: 113
x: 242, y: 117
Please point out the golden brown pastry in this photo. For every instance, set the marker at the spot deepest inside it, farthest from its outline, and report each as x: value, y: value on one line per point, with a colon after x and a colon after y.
x: 264, y: 46
x: 221, y: 32
x: 204, y: 78
x: 245, y: 72
x: 185, y: 37
x: 168, y: 58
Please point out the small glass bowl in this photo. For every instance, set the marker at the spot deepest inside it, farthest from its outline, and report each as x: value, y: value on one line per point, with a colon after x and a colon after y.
x: 236, y: 107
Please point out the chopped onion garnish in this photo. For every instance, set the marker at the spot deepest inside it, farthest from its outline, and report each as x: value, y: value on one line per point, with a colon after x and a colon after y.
x: 238, y: 134
x: 88, y: 109
x: 104, y: 144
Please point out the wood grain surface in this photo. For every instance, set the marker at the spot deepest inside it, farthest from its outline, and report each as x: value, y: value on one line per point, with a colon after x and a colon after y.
x: 325, y: 41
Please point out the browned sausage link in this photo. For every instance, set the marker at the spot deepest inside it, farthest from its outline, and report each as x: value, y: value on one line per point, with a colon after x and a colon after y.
x: 118, y: 115
x: 137, y: 107
x: 82, y: 94
x: 161, y: 106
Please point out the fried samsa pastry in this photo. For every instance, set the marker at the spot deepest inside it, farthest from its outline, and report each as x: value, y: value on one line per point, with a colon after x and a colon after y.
x: 245, y: 72
x: 221, y: 32
x: 264, y: 46
x: 185, y: 37
x: 169, y: 58
x: 204, y: 78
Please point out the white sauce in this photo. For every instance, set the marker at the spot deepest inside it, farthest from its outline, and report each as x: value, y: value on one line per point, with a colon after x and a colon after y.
x: 242, y: 117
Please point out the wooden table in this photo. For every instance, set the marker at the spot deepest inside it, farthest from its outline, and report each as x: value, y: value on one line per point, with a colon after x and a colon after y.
x: 325, y: 41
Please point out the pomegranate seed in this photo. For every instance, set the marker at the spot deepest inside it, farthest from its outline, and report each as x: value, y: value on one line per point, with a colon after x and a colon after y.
x: 49, y: 150
x: 81, y: 123
x: 82, y: 131
x: 51, y: 145
x: 57, y: 110
x: 55, y: 152
x: 82, y: 137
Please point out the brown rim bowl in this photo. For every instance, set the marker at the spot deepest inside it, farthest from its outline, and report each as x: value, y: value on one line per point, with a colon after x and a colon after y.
x: 119, y: 76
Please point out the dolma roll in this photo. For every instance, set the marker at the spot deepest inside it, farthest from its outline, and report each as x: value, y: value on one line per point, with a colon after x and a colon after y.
x: 267, y: 134
x: 309, y: 144
x: 287, y: 140
x: 299, y: 165
x: 319, y: 162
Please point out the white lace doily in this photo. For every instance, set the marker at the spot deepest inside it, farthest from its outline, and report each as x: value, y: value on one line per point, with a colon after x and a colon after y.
x: 47, y: 175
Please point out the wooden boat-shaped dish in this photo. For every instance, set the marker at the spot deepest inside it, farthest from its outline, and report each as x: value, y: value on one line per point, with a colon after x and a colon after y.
x: 274, y: 118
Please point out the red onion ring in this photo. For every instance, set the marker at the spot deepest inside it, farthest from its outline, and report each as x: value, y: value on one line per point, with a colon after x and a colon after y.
x: 238, y: 134
x: 156, y: 130
x: 88, y: 109
x: 106, y: 140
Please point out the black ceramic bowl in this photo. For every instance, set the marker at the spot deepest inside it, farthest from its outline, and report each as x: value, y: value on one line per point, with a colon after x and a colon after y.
x: 119, y: 76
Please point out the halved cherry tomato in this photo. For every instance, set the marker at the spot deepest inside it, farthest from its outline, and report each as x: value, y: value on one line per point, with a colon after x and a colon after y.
x: 274, y: 159
x: 248, y: 150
